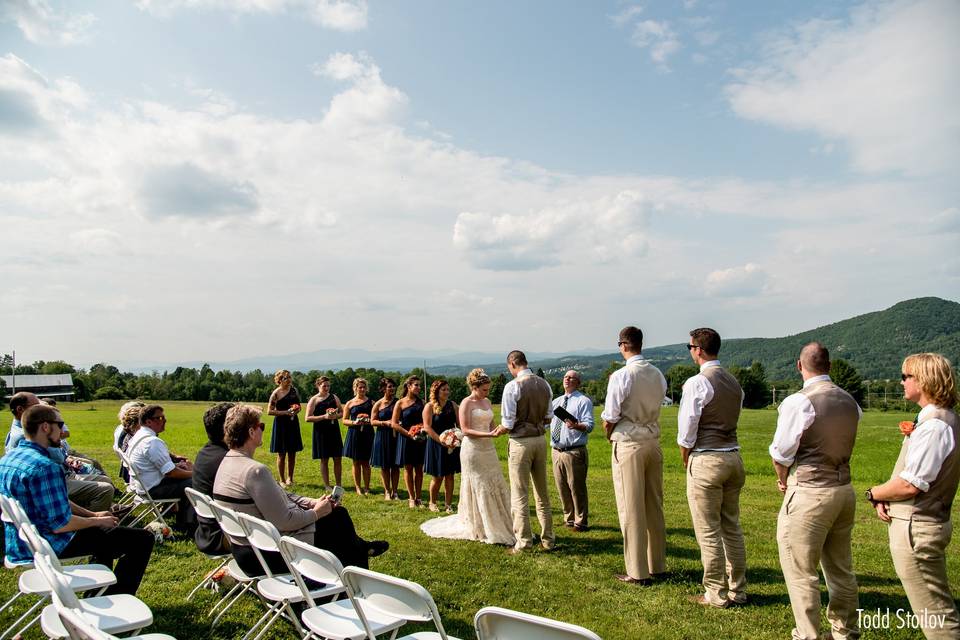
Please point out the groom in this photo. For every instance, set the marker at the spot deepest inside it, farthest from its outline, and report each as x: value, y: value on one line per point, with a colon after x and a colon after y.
x: 524, y: 411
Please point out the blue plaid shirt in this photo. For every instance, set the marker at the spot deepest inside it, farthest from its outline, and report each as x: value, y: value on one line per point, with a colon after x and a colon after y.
x: 28, y: 474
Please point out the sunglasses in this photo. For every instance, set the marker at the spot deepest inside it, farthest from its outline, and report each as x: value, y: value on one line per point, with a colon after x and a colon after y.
x: 691, y: 347
x: 261, y: 426
x: 59, y: 423
x: 904, y: 376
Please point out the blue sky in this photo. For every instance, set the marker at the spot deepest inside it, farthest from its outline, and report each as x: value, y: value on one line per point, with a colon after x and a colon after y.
x: 204, y: 179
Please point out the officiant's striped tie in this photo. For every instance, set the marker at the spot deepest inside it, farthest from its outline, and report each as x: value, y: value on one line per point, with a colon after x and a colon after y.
x: 555, y: 434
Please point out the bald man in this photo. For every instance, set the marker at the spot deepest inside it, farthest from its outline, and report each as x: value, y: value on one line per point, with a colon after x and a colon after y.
x: 811, y: 450
x: 19, y: 402
x: 568, y: 439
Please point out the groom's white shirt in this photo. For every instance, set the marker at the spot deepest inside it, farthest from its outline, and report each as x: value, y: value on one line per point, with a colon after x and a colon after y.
x: 508, y: 404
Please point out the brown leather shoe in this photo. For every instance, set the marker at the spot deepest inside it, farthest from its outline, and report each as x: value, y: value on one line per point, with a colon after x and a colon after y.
x: 643, y: 582
x: 703, y: 602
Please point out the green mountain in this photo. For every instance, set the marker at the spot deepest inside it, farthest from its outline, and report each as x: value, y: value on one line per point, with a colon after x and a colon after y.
x: 875, y: 343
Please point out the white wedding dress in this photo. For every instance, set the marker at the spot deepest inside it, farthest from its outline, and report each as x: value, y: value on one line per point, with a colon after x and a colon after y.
x: 484, y: 509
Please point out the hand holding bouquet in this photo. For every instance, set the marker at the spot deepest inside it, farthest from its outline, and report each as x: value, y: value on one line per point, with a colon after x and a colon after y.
x: 451, y: 439
x: 362, y: 420
x: 294, y: 409
x: 417, y: 433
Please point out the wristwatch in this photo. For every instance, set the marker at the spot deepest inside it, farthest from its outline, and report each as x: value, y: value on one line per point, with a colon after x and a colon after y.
x: 869, y: 494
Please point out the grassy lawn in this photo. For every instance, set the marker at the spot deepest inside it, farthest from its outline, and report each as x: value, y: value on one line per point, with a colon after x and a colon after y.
x: 576, y: 583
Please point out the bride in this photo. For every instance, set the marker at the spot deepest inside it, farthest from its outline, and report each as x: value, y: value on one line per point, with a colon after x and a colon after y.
x: 484, y: 509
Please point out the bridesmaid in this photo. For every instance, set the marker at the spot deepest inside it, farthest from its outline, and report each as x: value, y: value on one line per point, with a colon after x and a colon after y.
x: 322, y: 411
x: 285, y: 438
x: 385, y: 442
x: 439, y: 415
x: 408, y: 413
x: 356, y: 415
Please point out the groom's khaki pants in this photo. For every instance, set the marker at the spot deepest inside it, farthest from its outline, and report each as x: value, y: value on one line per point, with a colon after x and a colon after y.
x: 528, y: 460
x: 638, y: 487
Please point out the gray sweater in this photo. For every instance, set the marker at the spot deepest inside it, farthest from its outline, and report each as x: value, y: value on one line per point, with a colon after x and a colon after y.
x: 247, y: 486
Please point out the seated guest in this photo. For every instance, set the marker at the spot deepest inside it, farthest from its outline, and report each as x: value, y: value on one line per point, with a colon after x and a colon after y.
x: 161, y: 474
x: 77, y: 465
x: 89, y: 494
x: 208, y: 536
x: 129, y: 418
x: 29, y: 475
x: 247, y: 486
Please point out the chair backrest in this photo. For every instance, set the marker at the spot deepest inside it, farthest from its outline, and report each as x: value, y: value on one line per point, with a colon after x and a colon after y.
x: 63, y: 595
x: 40, y: 545
x: 229, y: 522
x: 263, y: 536
x: 308, y: 562
x: 393, y: 596
x: 495, y: 623
x: 134, y: 483
x: 200, y: 502
x: 79, y: 628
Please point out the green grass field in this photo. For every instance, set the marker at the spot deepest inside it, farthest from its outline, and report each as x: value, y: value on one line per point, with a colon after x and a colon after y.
x: 574, y: 584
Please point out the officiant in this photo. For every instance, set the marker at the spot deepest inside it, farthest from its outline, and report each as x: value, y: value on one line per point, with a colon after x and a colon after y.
x: 568, y: 438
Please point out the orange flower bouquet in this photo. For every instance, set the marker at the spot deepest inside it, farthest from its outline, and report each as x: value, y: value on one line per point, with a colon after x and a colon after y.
x: 417, y: 432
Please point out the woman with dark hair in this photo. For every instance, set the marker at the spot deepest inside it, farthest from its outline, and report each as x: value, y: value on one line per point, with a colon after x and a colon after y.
x: 439, y: 415
x: 385, y: 441
x: 407, y: 417
x: 246, y: 486
x: 285, y: 438
x: 356, y: 416
x: 322, y: 411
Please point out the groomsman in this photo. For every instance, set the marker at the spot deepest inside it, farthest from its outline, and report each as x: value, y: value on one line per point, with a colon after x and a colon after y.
x: 707, y: 435
x: 631, y: 421
x: 569, y: 441
x: 811, y: 449
x: 524, y: 412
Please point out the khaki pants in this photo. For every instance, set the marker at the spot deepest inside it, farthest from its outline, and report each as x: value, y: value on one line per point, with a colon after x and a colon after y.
x: 638, y: 487
x: 919, y: 556
x: 714, y: 481
x: 570, y: 472
x: 527, y: 460
x: 814, y: 527
x: 95, y: 496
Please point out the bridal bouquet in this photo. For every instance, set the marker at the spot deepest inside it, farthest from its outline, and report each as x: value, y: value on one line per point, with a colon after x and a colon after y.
x: 451, y: 439
x: 418, y: 433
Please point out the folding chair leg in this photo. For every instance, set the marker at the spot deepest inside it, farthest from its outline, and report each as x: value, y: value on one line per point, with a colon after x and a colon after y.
x: 26, y: 614
x: 9, y: 602
x: 207, y: 579
x: 247, y: 586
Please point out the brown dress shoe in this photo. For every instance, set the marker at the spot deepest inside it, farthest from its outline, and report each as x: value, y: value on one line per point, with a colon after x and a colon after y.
x: 643, y: 582
x: 703, y: 602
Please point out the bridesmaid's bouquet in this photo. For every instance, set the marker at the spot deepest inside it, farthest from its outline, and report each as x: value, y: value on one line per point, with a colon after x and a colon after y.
x: 295, y: 408
x: 451, y: 439
x: 362, y: 420
x: 418, y: 433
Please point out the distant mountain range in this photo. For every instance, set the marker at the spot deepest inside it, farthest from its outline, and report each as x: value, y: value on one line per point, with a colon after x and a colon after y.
x: 875, y: 343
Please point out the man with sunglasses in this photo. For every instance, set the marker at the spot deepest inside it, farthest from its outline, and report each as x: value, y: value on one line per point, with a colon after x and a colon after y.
x: 811, y: 449
x: 162, y: 474
x: 31, y: 477
x: 707, y: 436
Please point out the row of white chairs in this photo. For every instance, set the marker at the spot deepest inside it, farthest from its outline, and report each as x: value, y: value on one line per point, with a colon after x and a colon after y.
x: 145, y: 508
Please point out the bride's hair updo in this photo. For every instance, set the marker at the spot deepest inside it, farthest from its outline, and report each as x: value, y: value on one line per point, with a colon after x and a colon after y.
x: 477, y: 378
x: 435, y: 395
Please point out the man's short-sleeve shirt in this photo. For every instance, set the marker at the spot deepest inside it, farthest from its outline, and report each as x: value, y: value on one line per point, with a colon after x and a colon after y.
x: 29, y: 475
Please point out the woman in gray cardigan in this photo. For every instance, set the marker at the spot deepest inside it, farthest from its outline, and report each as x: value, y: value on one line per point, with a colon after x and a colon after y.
x: 248, y: 486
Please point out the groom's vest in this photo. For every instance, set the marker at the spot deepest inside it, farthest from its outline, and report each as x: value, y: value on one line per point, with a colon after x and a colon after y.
x: 640, y: 410
x: 718, y: 421
x: 532, y: 405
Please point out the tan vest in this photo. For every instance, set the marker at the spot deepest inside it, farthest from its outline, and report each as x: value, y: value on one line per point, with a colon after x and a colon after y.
x: 718, y: 422
x: 532, y: 406
x: 934, y: 504
x: 640, y: 410
x: 823, y: 459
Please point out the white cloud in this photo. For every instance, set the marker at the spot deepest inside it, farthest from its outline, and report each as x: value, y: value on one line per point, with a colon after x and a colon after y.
x: 947, y: 221
x: 340, y: 15
x: 658, y: 37
x: 736, y: 282
x: 368, y: 100
x: 884, y: 83
x: 467, y: 300
x: 42, y: 24
x: 627, y: 15
x: 604, y: 230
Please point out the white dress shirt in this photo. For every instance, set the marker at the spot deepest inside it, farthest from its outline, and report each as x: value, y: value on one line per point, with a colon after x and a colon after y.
x: 581, y: 408
x: 796, y: 415
x: 150, y: 457
x: 618, y: 388
x: 508, y: 403
x: 930, y: 444
x: 697, y: 393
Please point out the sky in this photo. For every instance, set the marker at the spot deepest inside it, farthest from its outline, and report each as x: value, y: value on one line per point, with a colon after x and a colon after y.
x: 186, y: 180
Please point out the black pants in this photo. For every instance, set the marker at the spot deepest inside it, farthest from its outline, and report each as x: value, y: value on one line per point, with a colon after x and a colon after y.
x: 174, y: 488
x: 334, y: 533
x: 131, y: 548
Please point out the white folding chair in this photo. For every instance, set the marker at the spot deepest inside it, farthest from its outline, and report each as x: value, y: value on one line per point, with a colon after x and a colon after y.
x: 146, y: 508
x: 496, y: 623
x: 119, y: 613
x: 230, y: 525
x: 281, y: 590
x: 80, y: 577
x: 395, y: 597
x: 201, y: 504
x: 79, y: 628
x: 350, y: 619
